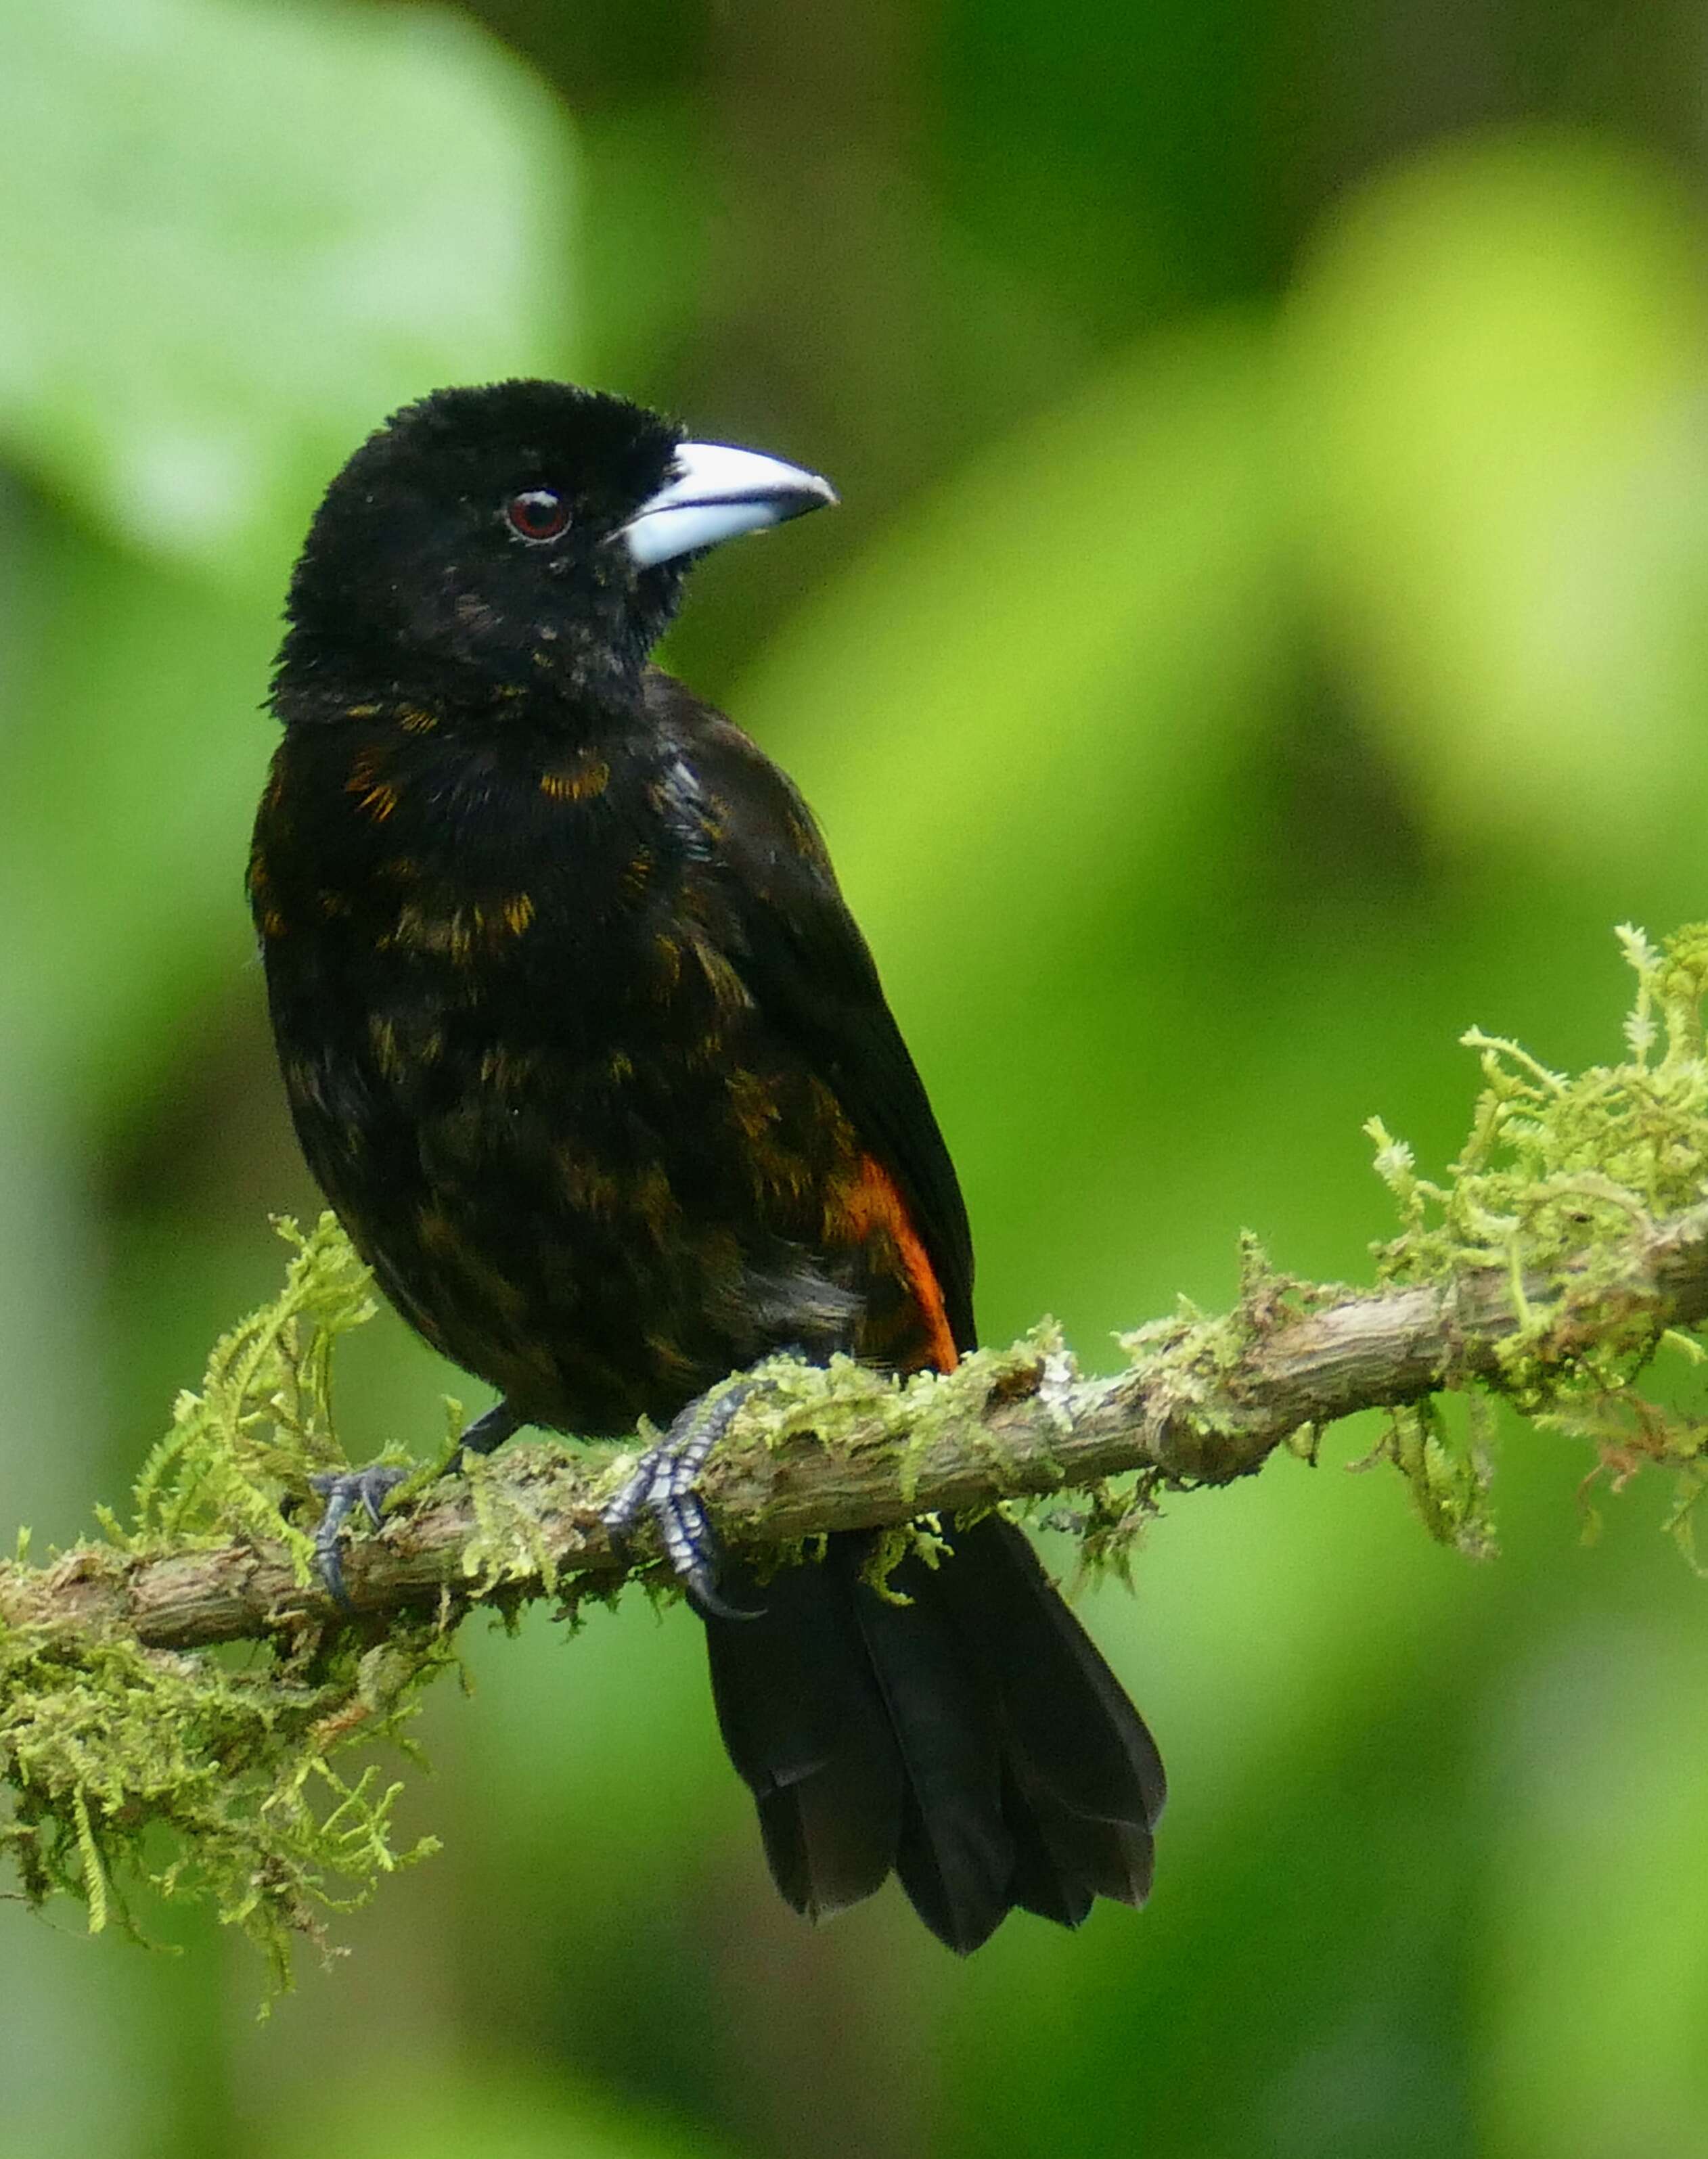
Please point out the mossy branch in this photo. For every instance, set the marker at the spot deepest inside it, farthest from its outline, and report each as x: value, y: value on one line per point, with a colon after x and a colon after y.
x: 1567, y: 1241
x: 1204, y: 1401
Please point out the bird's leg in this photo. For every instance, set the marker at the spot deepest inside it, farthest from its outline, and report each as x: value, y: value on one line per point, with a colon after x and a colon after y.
x: 666, y: 1485
x: 345, y: 1490
x: 490, y: 1429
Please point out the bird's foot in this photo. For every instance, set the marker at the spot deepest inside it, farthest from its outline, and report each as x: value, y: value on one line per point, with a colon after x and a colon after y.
x: 665, y: 1486
x: 345, y: 1490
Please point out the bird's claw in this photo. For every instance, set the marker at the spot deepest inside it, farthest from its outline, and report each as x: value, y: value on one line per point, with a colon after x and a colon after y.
x: 665, y: 1486
x: 343, y: 1491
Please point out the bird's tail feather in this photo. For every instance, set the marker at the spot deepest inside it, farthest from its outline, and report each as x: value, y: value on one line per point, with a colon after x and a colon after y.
x: 972, y: 1739
x: 806, y: 1728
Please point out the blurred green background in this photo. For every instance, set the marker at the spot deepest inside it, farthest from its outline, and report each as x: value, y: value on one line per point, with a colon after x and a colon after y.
x: 1264, y: 633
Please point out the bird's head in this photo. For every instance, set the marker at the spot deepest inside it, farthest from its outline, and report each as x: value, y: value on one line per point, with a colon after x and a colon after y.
x: 525, y: 533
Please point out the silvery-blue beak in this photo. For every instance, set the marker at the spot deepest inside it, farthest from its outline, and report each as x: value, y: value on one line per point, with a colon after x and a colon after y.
x: 714, y: 493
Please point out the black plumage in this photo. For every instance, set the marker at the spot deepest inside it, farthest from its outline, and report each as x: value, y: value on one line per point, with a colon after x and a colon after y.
x: 587, y: 1051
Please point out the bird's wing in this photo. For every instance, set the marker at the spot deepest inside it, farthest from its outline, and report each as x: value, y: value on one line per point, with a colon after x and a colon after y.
x: 806, y: 964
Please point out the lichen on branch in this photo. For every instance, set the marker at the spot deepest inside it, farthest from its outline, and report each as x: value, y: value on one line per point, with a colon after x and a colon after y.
x: 1543, y: 1270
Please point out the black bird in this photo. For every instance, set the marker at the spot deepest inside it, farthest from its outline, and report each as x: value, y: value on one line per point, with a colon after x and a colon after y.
x: 587, y: 1053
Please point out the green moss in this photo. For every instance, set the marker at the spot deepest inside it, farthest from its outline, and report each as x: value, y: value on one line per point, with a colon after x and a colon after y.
x: 509, y: 1546
x: 105, y: 1744
x: 1112, y: 1525
x: 1190, y: 1362
x: 923, y: 1539
x: 1559, y: 1169
x: 217, y: 1775
x: 1451, y: 1482
x: 262, y: 1425
x: 1561, y: 1172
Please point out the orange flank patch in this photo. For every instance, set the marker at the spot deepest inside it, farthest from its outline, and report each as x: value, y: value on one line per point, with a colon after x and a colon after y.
x: 874, y: 1203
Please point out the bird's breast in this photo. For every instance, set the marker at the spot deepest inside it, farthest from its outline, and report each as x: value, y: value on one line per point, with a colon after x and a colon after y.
x: 473, y: 865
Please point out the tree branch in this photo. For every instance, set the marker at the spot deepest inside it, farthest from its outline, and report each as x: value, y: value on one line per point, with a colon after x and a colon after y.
x: 1568, y: 1235
x: 1204, y: 1401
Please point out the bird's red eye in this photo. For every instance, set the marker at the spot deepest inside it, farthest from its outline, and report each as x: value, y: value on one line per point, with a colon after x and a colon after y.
x: 538, y: 513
